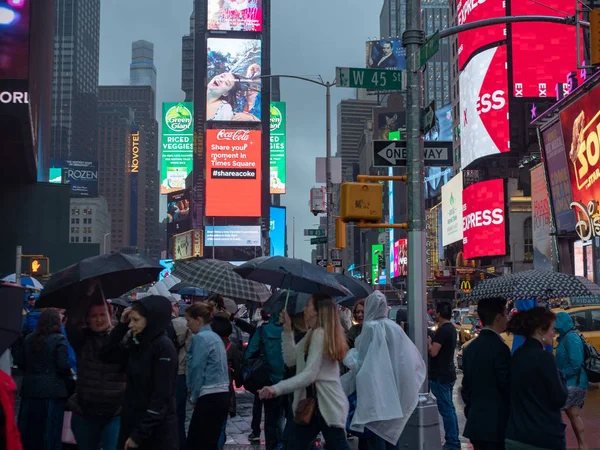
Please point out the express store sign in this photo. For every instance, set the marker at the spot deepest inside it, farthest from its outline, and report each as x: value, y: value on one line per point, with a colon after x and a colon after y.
x: 484, y: 223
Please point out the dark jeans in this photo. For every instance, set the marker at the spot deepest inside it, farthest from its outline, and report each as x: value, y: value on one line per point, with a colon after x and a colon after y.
x: 95, y: 433
x: 482, y: 445
x: 274, y: 415
x: 181, y: 398
x: 256, y: 415
x: 207, y: 422
x: 289, y: 419
x: 40, y: 423
x: 302, y: 436
x: 443, y: 394
x: 377, y: 443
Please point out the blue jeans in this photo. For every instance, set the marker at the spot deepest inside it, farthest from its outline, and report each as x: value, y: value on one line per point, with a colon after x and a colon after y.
x: 443, y: 394
x: 94, y: 433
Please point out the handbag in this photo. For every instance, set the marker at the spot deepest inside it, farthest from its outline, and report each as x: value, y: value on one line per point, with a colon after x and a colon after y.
x: 306, y: 408
x: 255, y: 372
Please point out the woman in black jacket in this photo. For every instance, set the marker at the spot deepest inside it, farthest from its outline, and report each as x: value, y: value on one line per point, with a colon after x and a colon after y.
x: 148, y: 418
x: 537, y: 392
x: 45, y: 361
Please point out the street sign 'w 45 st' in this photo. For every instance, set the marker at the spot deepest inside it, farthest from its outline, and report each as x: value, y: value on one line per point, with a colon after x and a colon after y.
x: 389, y: 80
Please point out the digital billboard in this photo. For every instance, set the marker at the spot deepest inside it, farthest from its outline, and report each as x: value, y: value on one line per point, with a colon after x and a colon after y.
x: 178, y: 211
x: 234, y: 15
x: 232, y: 236
x: 542, y: 53
x: 277, y: 234
x: 400, y: 268
x: 277, y: 147
x: 14, y: 40
x: 468, y: 11
x: 82, y: 176
x: 234, y: 85
x: 435, y: 179
x: 484, y: 219
x: 442, y: 130
x: 484, y: 120
x: 452, y: 210
x: 558, y: 177
x: 377, y: 264
x: 386, y: 54
x: 233, y: 173
x: 177, y: 149
x: 389, y: 123
x: 542, y: 241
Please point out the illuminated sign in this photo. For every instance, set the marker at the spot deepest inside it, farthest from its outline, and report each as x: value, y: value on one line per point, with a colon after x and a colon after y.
x: 483, y: 219
x: 232, y: 236
x: 233, y: 173
x: 234, y: 15
x: 588, y: 220
x: 452, y: 210
x: 135, y: 152
x: 177, y: 149
x: 386, y: 54
x: 377, y: 264
x: 542, y: 223
x: 400, y: 258
x: 465, y: 286
x: 14, y: 42
x: 178, y: 211
x: 188, y: 245
x: 277, y: 231
x: 82, y: 176
x: 277, y: 147
x: 40, y: 267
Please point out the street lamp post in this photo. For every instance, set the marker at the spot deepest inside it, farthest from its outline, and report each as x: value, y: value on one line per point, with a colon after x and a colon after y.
x: 105, y: 236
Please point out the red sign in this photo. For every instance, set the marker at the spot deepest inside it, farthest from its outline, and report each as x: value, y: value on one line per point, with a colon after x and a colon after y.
x: 484, y: 119
x: 484, y: 219
x: 543, y: 53
x: 233, y: 173
x: 581, y: 129
x: 468, y: 11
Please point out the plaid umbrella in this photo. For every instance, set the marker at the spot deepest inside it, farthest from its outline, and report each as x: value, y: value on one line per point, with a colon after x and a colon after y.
x: 218, y: 277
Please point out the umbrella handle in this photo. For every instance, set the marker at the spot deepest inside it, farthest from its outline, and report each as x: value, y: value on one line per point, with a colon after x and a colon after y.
x: 287, y: 297
x: 105, y: 303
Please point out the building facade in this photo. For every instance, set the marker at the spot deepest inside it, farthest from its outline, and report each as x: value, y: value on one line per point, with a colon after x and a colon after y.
x: 187, y: 61
x: 90, y: 223
x: 75, y: 79
x: 437, y: 77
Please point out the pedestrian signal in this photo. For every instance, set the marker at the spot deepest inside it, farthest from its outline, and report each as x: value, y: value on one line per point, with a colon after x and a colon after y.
x: 40, y: 267
x: 361, y: 202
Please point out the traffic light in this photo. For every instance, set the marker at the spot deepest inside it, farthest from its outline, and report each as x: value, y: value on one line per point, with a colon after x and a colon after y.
x: 340, y: 233
x: 595, y: 36
x: 40, y: 267
x: 361, y: 202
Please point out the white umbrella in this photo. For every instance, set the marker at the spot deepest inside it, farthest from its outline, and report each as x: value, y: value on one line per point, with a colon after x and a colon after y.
x: 26, y: 281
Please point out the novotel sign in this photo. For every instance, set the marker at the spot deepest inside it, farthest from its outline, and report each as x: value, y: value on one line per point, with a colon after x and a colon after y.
x: 135, y: 152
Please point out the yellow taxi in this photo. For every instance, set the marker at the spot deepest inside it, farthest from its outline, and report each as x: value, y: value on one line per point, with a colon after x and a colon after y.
x: 466, y: 329
x: 585, y: 312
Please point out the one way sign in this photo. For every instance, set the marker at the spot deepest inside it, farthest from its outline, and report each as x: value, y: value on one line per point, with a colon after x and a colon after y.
x: 393, y: 153
x: 334, y: 262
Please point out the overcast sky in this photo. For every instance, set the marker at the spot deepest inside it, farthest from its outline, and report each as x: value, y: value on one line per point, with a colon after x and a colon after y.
x: 309, y: 38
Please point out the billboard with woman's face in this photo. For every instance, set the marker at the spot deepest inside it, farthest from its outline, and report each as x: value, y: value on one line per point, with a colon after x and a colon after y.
x: 235, y: 15
x: 233, y: 71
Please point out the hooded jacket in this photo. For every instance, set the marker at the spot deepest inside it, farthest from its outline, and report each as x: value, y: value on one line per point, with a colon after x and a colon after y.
x: 267, y: 340
x: 149, y: 414
x: 569, y: 352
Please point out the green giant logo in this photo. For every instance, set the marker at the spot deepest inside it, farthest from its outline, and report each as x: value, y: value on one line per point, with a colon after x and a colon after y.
x: 179, y: 119
x: 276, y: 118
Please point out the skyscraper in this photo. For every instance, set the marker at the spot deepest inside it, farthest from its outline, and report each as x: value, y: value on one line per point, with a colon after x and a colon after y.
x: 75, y: 79
x: 142, y: 71
x: 187, y: 61
x: 437, y: 78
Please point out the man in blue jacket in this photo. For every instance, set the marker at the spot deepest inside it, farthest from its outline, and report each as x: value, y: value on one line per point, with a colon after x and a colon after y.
x: 569, y: 359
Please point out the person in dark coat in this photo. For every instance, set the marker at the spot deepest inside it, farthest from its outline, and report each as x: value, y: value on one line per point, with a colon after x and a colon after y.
x: 44, y: 360
x: 148, y: 418
x: 486, y: 364
x: 537, y: 392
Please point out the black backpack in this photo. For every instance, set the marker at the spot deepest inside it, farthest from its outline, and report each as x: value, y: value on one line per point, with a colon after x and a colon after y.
x: 591, y: 361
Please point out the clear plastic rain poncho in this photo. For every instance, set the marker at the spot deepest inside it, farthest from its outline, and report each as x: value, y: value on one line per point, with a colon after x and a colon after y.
x: 386, y: 372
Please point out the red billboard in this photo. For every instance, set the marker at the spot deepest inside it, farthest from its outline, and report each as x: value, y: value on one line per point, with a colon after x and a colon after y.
x: 484, y: 219
x: 484, y: 120
x: 233, y: 173
x: 468, y: 11
x: 542, y: 53
x: 580, y: 128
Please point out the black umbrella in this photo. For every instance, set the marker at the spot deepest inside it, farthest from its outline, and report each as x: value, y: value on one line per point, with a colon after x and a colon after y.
x: 194, y: 291
x: 179, y: 286
x: 296, y: 301
x: 11, y: 319
x: 116, y: 272
x: 359, y: 289
x: 293, y: 274
x: 121, y: 301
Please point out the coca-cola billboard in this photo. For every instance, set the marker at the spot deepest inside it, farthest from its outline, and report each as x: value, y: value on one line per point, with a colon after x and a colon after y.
x: 484, y: 219
x: 233, y: 173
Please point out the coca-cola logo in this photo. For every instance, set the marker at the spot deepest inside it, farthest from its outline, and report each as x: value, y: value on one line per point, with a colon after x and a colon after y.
x: 233, y: 135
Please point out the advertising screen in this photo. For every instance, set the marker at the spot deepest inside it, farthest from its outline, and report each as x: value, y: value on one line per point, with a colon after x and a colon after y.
x: 235, y: 15
x: 435, y: 179
x: 542, y: 242
x: 233, y: 71
x: 232, y: 236
x: 442, y: 130
x: 452, y: 210
x: 388, y: 123
x: 580, y: 123
x: 81, y: 175
x: 14, y: 40
x: 377, y: 264
x: 483, y: 219
x: 558, y: 176
x: 178, y: 211
x: 386, y: 54
x: 484, y: 122
x: 233, y: 173
x: 177, y: 149
x: 277, y: 231
x: 277, y: 147
x: 542, y: 53
x: 468, y: 11
x: 400, y: 258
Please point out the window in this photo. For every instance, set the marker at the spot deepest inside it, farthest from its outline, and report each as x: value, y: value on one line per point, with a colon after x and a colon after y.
x: 72, y: 240
x: 580, y: 321
x: 595, y: 325
x: 528, y: 240
x: 75, y: 211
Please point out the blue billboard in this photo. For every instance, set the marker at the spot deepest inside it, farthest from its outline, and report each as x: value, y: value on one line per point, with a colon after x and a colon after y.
x: 81, y: 175
x: 277, y: 234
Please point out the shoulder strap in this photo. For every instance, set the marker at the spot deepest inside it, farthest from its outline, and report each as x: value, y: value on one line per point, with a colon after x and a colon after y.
x: 228, y: 346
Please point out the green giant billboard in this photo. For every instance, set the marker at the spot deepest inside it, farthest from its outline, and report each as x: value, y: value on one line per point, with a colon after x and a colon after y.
x: 278, y: 141
x: 177, y: 149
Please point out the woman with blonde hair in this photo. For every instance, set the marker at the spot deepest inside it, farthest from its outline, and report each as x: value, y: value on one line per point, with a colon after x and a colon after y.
x: 316, y: 357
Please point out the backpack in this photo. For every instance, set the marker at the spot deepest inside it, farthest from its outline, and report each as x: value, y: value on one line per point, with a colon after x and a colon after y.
x: 255, y: 371
x: 591, y: 361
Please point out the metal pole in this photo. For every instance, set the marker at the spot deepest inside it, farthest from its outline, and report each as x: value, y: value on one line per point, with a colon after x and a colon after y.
x: 18, y: 265
x: 422, y: 431
x: 213, y: 239
x: 293, y: 236
x: 329, y: 185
